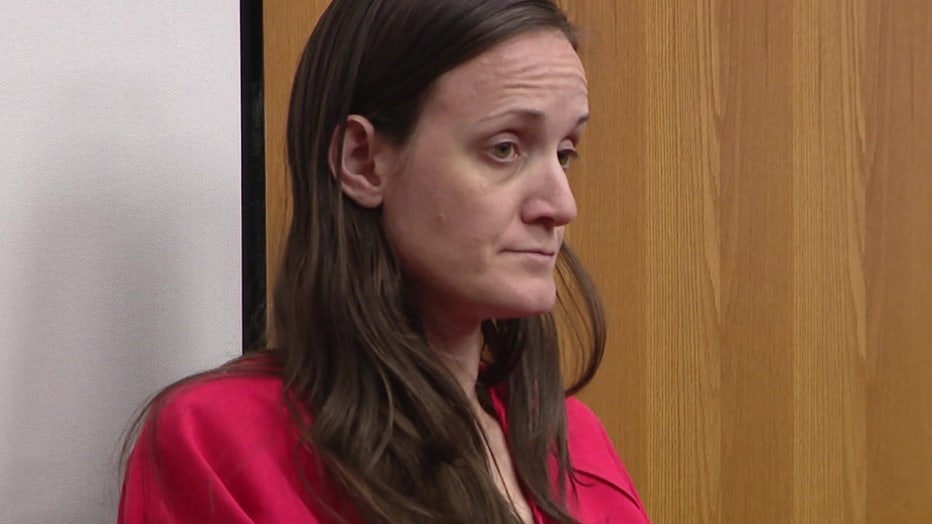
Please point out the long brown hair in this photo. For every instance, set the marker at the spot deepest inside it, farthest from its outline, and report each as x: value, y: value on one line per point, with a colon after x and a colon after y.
x: 389, y: 423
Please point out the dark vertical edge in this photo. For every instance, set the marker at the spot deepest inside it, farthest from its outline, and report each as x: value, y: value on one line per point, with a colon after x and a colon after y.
x: 253, y: 174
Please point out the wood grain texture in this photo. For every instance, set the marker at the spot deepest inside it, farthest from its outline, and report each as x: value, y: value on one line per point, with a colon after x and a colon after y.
x: 286, y: 27
x: 829, y: 285
x: 755, y: 204
x: 897, y: 158
x: 756, y: 213
x: 612, y: 200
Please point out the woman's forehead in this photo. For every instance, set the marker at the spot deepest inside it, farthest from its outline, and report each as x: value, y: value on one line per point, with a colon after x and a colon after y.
x: 532, y: 72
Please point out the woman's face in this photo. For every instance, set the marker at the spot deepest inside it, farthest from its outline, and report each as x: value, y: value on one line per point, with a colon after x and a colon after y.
x: 477, y: 206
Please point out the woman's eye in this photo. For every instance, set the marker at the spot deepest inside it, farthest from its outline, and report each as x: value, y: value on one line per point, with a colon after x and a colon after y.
x: 504, y: 151
x: 566, y: 157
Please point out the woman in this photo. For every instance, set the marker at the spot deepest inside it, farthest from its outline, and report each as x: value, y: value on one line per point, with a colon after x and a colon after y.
x: 417, y: 376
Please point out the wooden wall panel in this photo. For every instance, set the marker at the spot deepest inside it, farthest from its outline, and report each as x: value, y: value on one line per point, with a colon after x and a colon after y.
x: 617, y: 185
x: 287, y: 24
x: 754, y: 112
x: 829, y: 286
x: 756, y: 206
x: 896, y: 84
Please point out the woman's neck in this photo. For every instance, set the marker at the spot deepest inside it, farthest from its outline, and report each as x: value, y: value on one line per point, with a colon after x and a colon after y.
x: 459, y: 346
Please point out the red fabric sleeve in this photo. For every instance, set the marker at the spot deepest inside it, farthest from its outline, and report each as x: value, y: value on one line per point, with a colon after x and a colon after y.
x: 216, y: 455
x: 604, y: 492
x: 171, y: 478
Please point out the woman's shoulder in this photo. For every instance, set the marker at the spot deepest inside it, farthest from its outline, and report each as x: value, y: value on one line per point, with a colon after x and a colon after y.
x: 577, y: 412
x: 244, y: 407
x: 590, y: 446
x: 604, y: 488
x: 217, y: 448
x: 219, y: 394
x: 245, y: 388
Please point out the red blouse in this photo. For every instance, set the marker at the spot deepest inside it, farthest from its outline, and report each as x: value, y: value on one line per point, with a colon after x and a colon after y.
x: 225, y: 453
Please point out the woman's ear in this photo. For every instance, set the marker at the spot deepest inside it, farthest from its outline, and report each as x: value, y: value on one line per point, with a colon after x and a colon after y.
x: 359, y: 173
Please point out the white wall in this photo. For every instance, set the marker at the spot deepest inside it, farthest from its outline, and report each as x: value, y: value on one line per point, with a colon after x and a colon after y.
x: 119, y: 231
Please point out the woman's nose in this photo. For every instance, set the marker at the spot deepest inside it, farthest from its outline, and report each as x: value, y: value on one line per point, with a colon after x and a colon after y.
x: 552, y: 198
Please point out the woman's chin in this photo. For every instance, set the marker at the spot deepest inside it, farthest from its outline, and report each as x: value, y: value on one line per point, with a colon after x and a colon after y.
x: 529, y: 304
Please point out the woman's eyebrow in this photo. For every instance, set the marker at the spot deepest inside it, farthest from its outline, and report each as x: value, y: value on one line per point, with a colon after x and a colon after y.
x: 528, y: 114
